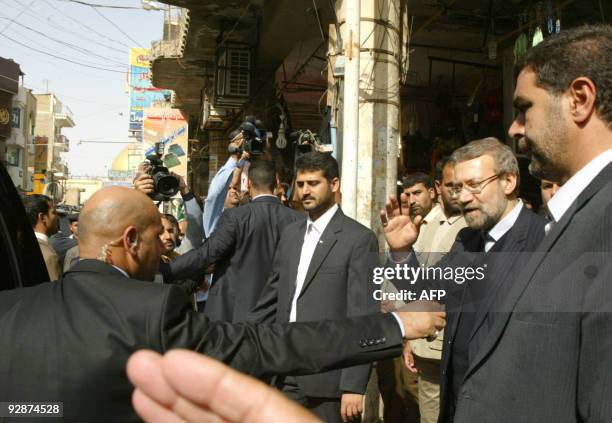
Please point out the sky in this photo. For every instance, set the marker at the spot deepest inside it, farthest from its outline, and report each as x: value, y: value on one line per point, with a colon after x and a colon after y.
x: 80, y: 33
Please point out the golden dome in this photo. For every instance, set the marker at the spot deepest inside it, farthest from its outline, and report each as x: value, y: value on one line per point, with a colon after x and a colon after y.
x: 129, y: 158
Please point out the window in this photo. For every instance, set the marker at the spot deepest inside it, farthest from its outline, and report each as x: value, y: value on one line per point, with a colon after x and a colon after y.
x: 16, y: 118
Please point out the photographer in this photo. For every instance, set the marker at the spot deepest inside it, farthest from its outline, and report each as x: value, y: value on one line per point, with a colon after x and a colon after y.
x: 193, y: 237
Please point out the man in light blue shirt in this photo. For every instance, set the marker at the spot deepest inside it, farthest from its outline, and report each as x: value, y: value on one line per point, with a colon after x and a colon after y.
x: 218, y: 187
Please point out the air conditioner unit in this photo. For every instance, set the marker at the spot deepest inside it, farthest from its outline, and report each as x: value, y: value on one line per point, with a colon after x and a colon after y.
x: 212, y: 117
x: 233, y: 75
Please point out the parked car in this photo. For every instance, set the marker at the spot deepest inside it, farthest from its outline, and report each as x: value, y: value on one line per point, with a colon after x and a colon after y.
x: 21, y: 261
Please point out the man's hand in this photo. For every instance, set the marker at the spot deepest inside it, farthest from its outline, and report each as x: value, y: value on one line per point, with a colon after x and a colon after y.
x: 351, y: 406
x: 409, y: 358
x: 183, y: 386
x: 144, y: 183
x: 422, y: 319
x: 183, y: 188
x: 401, y: 231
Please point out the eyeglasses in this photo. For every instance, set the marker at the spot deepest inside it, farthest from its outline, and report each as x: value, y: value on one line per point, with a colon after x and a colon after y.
x: 472, y: 187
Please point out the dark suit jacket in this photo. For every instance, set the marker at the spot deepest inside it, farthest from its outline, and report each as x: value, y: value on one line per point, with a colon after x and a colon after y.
x: 69, y: 340
x: 338, y: 284
x: 546, y: 357
x: 242, y: 246
x: 499, y: 265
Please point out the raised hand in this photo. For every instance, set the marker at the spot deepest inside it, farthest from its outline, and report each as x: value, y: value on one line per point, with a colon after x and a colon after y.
x: 401, y: 231
x: 186, y: 387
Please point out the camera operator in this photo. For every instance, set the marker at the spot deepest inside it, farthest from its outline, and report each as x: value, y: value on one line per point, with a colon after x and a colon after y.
x: 219, y: 185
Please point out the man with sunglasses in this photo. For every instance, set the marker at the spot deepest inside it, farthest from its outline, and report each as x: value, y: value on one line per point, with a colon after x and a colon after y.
x: 500, y: 231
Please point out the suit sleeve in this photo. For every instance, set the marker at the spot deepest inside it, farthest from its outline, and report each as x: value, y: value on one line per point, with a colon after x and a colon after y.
x: 264, y: 310
x: 219, y: 245
x: 360, y: 301
x: 267, y: 350
x: 595, y: 367
x: 430, y: 281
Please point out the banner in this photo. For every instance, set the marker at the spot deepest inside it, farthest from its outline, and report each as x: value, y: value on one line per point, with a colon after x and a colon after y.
x: 142, y: 93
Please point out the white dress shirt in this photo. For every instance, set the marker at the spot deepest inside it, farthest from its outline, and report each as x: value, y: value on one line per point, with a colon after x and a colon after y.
x: 502, y: 226
x: 42, y: 237
x: 569, y: 191
x: 314, y: 230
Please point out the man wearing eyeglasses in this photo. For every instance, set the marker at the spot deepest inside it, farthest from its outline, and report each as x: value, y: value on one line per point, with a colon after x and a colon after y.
x: 500, y: 231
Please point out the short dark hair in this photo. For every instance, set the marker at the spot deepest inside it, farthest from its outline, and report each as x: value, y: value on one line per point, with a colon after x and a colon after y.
x: 73, y: 217
x: 262, y: 174
x: 35, y: 204
x: 417, y: 178
x: 315, y: 161
x: 582, y: 51
x: 170, y: 218
x: 440, y: 165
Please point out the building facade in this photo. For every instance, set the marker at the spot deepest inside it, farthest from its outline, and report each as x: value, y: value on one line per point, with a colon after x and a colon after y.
x: 51, y: 117
x: 19, y: 147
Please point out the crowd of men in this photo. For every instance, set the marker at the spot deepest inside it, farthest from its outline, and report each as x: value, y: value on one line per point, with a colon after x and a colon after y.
x: 287, y: 295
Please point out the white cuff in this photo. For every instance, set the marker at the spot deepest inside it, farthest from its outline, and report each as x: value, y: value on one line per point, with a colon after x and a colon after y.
x: 399, y: 322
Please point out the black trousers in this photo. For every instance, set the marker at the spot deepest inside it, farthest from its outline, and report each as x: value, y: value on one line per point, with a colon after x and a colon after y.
x: 327, y: 409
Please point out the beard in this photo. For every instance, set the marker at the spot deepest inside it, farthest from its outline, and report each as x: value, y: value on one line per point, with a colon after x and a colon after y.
x: 548, y: 148
x: 451, y: 207
x: 486, y: 217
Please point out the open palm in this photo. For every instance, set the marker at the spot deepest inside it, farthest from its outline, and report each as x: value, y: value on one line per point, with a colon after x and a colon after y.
x: 401, y: 231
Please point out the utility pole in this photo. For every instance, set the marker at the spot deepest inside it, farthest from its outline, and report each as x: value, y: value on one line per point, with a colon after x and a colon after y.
x: 371, y: 105
x: 350, y: 127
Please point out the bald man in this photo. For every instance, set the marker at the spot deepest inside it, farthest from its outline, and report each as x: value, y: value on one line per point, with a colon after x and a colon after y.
x: 69, y: 341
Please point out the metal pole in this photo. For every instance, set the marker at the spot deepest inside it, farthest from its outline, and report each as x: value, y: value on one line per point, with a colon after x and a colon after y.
x: 350, y: 137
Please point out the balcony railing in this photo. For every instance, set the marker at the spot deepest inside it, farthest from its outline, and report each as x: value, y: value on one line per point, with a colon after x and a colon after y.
x: 64, y: 118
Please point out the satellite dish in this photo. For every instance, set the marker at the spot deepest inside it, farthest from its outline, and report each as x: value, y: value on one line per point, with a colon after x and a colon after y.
x: 54, y: 191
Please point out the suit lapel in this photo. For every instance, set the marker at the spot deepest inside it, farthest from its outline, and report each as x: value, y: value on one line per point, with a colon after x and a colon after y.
x: 514, y: 243
x: 469, y: 245
x: 509, y: 300
x: 294, y: 255
x: 326, y: 243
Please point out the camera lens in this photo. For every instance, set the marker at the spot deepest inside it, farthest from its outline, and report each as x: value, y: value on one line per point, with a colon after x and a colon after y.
x: 167, y: 185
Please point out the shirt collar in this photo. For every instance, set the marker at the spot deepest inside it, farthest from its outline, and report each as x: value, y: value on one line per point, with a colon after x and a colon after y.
x: 565, y: 196
x: 507, y: 222
x: 121, y: 270
x: 451, y: 220
x: 263, y: 195
x: 433, y: 214
x: 321, y: 223
x: 41, y: 236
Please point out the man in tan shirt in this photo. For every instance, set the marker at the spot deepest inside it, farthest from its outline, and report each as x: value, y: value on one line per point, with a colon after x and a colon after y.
x: 436, y: 237
x: 43, y: 218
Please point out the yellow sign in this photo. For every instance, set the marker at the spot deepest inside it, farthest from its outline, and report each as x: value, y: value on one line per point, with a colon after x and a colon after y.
x: 139, y: 57
x: 5, y: 116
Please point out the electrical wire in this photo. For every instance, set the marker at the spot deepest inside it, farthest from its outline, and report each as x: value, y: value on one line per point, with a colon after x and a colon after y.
x: 100, y: 5
x: 72, y: 46
x: 136, y: 43
x: 48, y: 21
x: 81, y: 24
x: 244, y: 12
x: 17, y: 17
x: 59, y: 57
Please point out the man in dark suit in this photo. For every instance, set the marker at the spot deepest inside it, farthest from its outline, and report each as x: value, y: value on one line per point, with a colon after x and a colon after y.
x: 500, y: 234
x: 545, y: 356
x: 322, y: 270
x: 242, y: 246
x: 69, y: 341
x: 544, y: 350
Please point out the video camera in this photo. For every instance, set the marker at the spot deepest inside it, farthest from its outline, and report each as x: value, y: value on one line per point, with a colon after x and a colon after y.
x: 253, y: 135
x: 305, y: 141
x: 166, y: 185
